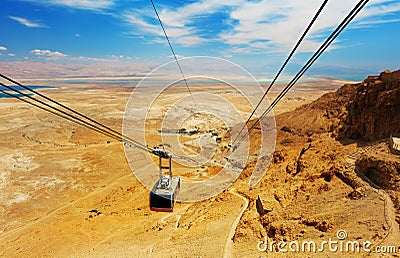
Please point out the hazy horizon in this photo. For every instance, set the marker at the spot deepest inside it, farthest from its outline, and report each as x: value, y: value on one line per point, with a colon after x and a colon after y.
x: 103, y: 38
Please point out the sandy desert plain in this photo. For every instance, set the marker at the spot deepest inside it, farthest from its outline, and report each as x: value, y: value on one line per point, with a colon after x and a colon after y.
x: 67, y: 191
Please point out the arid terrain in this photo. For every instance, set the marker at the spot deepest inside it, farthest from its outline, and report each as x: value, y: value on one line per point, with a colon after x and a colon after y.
x: 67, y: 191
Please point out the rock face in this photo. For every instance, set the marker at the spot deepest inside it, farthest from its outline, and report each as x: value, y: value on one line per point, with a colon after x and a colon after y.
x: 322, y: 115
x: 382, y: 171
x: 373, y: 112
x: 366, y: 111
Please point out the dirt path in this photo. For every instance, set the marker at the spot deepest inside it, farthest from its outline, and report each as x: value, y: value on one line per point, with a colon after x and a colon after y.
x: 394, y: 232
x: 392, y: 237
x: 229, y: 241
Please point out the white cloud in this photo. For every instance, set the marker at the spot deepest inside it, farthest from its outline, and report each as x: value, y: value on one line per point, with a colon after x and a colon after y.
x: 27, y: 22
x: 258, y: 26
x: 259, y: 22
x: 50, y: 55
x: 77, y: 4
x: 180, y: 23
x: 177, y: 56
x: 279, y: 24
x: 3, y: 48
x: 11, y: 54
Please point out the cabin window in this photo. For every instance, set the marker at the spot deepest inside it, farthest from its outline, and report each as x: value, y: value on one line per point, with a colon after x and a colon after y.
x: 160, y: 201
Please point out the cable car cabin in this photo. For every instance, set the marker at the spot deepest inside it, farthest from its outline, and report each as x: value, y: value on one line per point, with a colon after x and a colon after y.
x: 166, y: 189
x: 164, y: 193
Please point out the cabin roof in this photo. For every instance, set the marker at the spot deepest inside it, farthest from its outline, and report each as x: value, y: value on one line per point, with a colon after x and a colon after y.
x: 396, y: 140
x: 174, y: 184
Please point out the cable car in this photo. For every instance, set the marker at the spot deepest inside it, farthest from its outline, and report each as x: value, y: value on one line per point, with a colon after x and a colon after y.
x: 164, y: 193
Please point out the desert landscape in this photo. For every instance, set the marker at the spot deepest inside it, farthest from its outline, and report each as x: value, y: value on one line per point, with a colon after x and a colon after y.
x: 199, y: 128
x: 67, y: 191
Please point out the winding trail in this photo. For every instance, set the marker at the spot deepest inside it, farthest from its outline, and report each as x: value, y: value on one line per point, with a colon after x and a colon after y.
x: 392, y: 236
x: 229, y: 240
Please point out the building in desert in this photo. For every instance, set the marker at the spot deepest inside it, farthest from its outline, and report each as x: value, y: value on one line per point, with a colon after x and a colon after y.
x: 394, y: 145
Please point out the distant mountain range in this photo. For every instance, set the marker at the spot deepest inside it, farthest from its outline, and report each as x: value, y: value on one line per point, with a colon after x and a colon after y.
x: 36, y: 70
x: 40, y: 70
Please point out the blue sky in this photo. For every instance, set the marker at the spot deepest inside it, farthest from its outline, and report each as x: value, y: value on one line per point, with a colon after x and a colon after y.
x: 256, y: 34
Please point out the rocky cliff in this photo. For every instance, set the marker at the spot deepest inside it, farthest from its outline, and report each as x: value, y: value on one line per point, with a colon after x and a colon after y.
x: 374, y: 110
x: 322, y: 115
x: 384, y: 171
x: 368, y: 111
